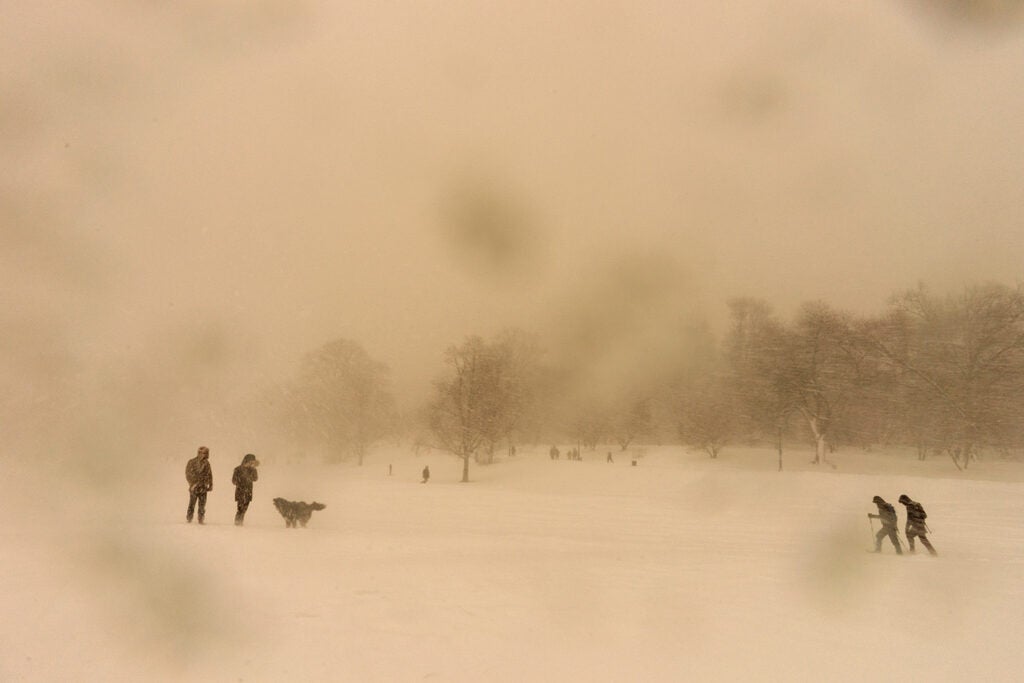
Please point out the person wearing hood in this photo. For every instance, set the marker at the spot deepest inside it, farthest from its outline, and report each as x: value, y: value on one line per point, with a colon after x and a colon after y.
x: 916, y: 527
x: 200, y: 482
x: 243, y: 477
x: 887, y: 515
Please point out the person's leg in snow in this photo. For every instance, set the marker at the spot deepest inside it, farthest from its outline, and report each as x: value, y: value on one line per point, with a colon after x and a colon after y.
x: 891, y: 533
x: 201, y: 497
x: 243, y: 505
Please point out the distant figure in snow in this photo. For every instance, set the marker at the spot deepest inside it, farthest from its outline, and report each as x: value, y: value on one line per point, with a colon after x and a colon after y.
x: 200, y: 482
x: 887, y: 515
x: 915, y: 524
x: 426, y: 474
x: 243, y: 477
x: 609, y: 458
x: 553, y: 453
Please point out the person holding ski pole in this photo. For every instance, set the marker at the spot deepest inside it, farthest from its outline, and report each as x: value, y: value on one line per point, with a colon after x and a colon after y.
x: 887, y: 515
x: 916, y: 526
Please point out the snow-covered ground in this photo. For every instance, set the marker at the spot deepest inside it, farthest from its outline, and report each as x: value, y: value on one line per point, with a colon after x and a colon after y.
x: 678, y: 569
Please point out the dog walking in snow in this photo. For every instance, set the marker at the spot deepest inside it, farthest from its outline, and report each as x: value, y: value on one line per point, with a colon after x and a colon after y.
x: 296, y: 513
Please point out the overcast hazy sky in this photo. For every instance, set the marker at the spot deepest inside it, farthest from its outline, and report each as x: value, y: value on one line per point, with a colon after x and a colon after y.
x: 269, y: 175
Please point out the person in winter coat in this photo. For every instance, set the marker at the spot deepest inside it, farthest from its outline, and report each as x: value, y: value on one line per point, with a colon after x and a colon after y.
x: 426, y: 474
x: 887, y: 515
x: 243, y: 477
x: 915, y: 524
x: 200, y: 482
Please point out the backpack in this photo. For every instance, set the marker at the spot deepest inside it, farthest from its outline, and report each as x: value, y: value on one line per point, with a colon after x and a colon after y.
x: 919, y: 512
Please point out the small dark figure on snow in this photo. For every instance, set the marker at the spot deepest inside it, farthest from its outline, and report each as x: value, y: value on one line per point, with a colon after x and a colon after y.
x: 916, y: 526
x: 609, y: 458
x: 426, y: 474
x: 243, y: 477
x: 887, y: 515
x: 200, y: 482
x: 296, y: 513
x: 553, y: 453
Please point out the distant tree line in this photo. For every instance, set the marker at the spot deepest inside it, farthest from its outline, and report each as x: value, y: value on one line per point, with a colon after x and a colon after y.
x: 940, y: 373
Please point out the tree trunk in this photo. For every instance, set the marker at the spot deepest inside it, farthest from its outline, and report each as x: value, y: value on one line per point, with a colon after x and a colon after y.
x: 780, y: 449
x: 954, y: 456
x: 819, y: 441
x: 465, y: 467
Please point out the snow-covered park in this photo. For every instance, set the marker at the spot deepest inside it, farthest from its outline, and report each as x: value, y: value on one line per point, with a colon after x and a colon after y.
x: 316, y: 226
x: 680, y: 568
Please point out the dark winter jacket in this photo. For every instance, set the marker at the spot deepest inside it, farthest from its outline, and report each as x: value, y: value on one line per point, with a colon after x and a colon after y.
x: 886, y: 514
x: 242, y: 478
x: 199, y: 475
x: 915, y: 517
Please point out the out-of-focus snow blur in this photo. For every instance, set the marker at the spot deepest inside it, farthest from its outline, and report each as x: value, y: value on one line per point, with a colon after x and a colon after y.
x: 194, y: 195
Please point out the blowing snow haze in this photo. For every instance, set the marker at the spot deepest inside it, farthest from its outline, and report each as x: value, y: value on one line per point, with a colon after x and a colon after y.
x: 196, y: 195
x: 193, y: 196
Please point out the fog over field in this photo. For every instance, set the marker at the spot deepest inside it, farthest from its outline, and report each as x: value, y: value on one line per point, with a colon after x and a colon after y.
x: 195, y: 195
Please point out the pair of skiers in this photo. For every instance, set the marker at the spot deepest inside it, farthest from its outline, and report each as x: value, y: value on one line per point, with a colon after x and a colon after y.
x: 916, y: 526
x: 199, y: 476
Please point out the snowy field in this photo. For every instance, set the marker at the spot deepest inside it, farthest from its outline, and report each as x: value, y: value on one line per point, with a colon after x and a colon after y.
x: 679, y: 569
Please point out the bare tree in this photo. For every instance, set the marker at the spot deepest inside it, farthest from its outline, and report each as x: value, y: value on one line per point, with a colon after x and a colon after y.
x: 707, y: 417
x: 341, y: 400
x: 760, y: 380
x: 516, y: 357
x: 630, y: 418
x: 827, y: 371
x: 477, y: 402
x: 812, y: 368
x: 961, y: 358
x: 590, y: 422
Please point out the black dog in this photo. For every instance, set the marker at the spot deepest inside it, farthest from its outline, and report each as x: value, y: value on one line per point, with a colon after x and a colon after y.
x: 296, y: 512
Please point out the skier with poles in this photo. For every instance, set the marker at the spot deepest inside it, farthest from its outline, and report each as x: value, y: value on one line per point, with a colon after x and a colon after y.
x: 887, y: 515
x: 915, y: 524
